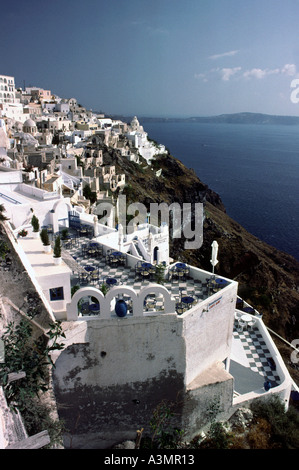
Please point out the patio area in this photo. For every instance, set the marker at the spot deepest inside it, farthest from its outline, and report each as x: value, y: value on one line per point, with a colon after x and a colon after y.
x: 96, y: 268
x: 251, y: 363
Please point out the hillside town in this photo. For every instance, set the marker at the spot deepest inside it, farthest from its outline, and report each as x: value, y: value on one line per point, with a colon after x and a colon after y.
x: 139, y: 327
x: 56, y: 143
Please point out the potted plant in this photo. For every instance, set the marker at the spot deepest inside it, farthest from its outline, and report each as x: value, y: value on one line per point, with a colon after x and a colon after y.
x: 160, y: 273
x: 57, y: 251
x: 23, y: 233
x: 104, y: 288
x: 35, y: 225
x: 64, y: 234
x: 45, y: 240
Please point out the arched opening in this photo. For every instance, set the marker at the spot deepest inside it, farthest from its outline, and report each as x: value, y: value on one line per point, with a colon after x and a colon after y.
x: 122, y: 301
x: 156, y: 298
x: 88, y: 305
x: 86, y: 301
x: 153, y: 302
x: 156, y: 254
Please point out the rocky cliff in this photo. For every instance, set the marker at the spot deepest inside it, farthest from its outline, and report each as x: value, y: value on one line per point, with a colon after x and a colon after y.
x: 268, y: 278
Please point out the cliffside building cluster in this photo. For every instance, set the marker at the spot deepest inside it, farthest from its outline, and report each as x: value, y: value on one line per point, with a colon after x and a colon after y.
x: 140, y: 327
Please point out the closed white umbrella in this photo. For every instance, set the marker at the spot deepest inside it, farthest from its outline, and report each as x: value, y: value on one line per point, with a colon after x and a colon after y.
x: 95, y: 226
x: 214, y: 260
x: 120, y: 236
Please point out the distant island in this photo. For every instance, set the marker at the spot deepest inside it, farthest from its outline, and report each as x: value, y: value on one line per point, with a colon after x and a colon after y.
x: 236, y: 118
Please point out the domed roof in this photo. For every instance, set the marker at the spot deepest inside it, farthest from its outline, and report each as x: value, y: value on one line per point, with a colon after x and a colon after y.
x: 29, y: 123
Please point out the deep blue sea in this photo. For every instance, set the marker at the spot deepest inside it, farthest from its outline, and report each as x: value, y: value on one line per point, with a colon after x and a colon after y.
x: 254, y: 169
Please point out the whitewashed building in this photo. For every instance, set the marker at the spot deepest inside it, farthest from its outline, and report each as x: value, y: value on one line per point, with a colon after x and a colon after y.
x: 115, y: 368
x: 139, y: 137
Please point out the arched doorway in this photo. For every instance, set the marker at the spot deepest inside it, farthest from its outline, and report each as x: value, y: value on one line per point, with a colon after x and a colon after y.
x: 156, y: 254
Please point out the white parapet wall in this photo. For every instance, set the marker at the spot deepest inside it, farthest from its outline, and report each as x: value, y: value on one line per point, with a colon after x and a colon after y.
x: 47, y: 277
x: 30, y: 271
x: 208, y: 328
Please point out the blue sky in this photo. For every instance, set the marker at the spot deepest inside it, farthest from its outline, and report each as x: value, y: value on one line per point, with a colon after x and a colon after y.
x: 156, y: 57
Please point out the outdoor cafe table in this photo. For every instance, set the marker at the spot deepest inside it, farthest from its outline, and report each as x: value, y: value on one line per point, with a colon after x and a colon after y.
x: 187, y: 300
x: 146, y: 265
x: 180, y: 265
x: 111, y: 281
x: 94, y: 308
x: 246, y: 318
x: 89, y: 269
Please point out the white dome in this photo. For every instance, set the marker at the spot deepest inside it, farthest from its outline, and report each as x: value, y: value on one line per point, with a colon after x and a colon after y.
x: 135, y: 120
x: 29, y: 123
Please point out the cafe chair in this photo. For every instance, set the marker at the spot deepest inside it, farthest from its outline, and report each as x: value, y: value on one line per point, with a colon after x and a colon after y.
x: 252, y: 323
x: 145, y: 274
x: 83, y: 279
x: 150, y: 303
x: 84, y: 308
x: 241, y: 325
x: 180, y: 308
x: 94, y: 277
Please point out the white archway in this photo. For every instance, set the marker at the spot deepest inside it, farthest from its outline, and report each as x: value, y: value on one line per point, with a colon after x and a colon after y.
x: 54, y: 212
x: 105, y: 301
x: 169, y: 303
x: 121, y: 290
x: 71, y: 308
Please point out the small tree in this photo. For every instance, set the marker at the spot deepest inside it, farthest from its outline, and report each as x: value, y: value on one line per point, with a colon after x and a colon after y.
x: 35, y: 223
x: 89, y: 194
x: 33, y: 356
x: 57, y: 248
x: 104, y: 288
x: 159, y: 274
x: 64, y: 234
x: 45, y: 237
x: 74, y: 289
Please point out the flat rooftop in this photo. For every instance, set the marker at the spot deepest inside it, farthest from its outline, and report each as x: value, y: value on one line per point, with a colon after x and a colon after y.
x: 250, y: 356
x: 42, y: 263
x: 126, y: 276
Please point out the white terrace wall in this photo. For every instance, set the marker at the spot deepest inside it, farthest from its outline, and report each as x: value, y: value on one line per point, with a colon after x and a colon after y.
x: 20, y: 252
x: 113, y: 373
x: 122, y: 368
x: 208, y: 328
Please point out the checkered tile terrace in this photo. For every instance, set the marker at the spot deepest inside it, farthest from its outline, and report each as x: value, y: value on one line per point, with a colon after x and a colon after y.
x: 250, y: 357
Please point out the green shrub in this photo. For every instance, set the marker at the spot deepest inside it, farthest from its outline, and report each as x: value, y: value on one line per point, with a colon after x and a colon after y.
x: 57, y: 247
x: 45, y: 237
x: 284, y: 424
x: 35, y: 223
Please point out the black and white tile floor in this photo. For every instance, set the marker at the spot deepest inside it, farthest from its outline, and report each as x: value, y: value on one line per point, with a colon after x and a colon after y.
x: 126, y: 275
x: 257, y: 353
